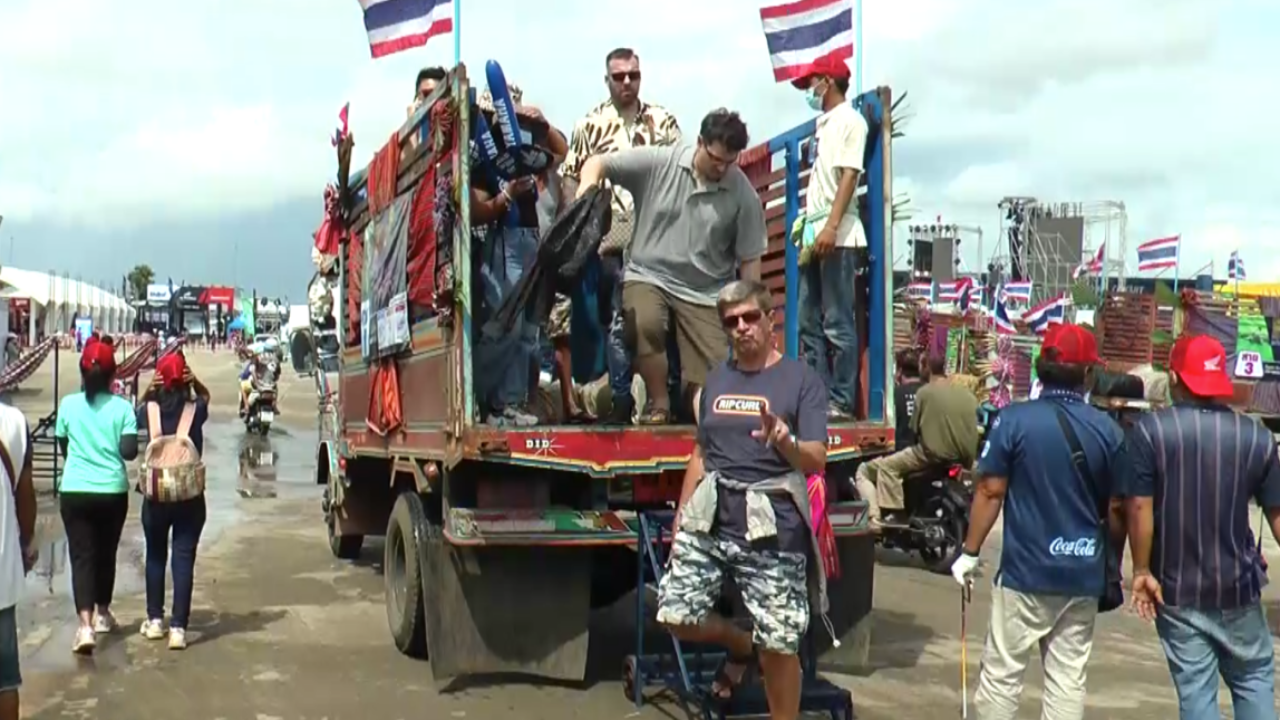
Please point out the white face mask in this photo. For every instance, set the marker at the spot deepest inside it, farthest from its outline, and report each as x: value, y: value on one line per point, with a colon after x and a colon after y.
x: 813, y: 97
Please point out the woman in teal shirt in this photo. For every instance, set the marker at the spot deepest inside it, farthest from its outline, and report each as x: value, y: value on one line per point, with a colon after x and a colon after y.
x: 98, y: 434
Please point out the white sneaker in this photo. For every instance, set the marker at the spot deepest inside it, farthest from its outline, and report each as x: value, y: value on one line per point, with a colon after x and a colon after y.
x: 104, y: 622
x: 177, y: 639
x: 153, y: 630
x: 520, y: 418
x: 86, y: 641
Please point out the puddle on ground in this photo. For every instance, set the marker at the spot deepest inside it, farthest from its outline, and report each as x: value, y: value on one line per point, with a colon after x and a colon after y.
x: 240, y: 468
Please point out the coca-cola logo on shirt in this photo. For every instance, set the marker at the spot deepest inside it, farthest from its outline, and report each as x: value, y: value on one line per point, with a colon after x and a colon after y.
x: 1080, y: 547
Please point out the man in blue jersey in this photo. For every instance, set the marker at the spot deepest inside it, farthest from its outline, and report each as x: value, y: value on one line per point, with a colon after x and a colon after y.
x: 1196, y: 565
x: 1058, y: 529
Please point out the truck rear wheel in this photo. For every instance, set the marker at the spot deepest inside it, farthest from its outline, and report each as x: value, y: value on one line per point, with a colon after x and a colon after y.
x: 408, y: 531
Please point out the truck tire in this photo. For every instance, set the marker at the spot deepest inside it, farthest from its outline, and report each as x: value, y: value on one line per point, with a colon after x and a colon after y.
x: 344, y: 547
x: 407, y: 534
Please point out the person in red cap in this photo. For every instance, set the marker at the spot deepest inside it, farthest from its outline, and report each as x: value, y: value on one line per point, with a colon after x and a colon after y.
x: 1197, y: 567
x: 1051, y: 464
x: 834, y: 241
x: 175, y: 392
x: 98, y: 433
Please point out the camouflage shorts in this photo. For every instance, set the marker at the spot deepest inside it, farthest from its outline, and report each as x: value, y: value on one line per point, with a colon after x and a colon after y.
x: 558, y: 323
x: 773, y: 586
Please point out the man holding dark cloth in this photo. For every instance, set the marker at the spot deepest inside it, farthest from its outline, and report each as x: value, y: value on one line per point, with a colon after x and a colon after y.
x: 1196, y: 565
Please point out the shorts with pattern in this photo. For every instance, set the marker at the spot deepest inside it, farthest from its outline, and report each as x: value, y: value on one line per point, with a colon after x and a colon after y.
x: 773, y: 585
x: 558, y: 322
x: 10, y: 676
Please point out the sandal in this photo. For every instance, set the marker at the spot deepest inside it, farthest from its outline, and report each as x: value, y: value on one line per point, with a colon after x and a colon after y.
x: 724, y: 684
x: 655, y: 417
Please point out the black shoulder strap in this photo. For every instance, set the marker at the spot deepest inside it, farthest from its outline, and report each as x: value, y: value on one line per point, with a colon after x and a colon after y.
x: 1080, y: 461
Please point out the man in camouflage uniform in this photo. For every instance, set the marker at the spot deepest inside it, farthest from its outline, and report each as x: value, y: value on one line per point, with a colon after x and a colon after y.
x: 744, y: 507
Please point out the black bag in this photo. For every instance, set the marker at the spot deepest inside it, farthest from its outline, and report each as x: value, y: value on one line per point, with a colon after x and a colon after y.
x: 1112, y: 591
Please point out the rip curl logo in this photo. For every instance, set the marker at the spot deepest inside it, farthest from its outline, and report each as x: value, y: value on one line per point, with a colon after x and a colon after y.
x: 740, y: 405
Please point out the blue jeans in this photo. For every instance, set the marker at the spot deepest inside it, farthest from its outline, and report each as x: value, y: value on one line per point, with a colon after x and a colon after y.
x: 617, y: 355
x: 829, y: 322
x: 1201, y: 645
x: 185, y: 520
x: 503, y: 359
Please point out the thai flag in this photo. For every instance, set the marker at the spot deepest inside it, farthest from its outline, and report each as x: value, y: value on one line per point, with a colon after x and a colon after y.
x: 977, y: 295
x: 801, y: 31
x: 1094, y: 265
x: 1235, y: 267
x: 955, y: 292
x: 1004, y: 326
x: 395, y: 25
x: 920, y: 291
x: 1158, y: 254
x: 1045, y: 314
x: 1020, y: 290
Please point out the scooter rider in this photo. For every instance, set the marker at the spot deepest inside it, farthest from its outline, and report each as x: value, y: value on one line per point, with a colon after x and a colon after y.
x: 946, y: 426
x: 254, y: 371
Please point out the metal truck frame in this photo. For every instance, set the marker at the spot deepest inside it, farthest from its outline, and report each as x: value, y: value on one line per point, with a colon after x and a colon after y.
x: 500, y: 541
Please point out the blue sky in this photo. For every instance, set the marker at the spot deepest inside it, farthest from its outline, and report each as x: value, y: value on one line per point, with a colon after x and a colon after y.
x: 194, y: 136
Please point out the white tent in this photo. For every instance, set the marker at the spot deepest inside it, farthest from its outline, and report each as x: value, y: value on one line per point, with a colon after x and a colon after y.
x: 57, y: 301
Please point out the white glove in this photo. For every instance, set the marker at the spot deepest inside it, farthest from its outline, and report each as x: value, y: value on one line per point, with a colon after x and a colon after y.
x: 964, y: 568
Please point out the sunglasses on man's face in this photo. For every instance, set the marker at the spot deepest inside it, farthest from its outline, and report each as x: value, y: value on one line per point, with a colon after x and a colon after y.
x: 750, y: 317
x: 619, y: 77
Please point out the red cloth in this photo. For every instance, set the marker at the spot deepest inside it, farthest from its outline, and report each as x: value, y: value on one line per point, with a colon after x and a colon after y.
x: 383, y: 171
x: 421, y: 263
x: 329, y: 236
x: 355, y: 269
x: 385, y: 415
x: 821, y: 523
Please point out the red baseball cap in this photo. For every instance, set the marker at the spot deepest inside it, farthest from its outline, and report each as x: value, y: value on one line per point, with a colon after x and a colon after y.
x: 826, y: 66
x: 98, y: 354
x: 1201, y: 364
x: 1069, y: 344
x: 170, y: 370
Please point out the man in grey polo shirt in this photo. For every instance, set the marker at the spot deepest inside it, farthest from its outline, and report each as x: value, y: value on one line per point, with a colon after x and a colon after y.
x: 698, y: 223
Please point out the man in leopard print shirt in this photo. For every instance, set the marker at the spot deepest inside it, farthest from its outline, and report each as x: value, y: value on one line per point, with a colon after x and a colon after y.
x: 621, y: 122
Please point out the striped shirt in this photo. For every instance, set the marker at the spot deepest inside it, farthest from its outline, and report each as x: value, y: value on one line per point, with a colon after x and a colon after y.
x: 1201, y: 464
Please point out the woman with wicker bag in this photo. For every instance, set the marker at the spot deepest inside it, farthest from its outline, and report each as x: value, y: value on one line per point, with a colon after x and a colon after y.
x: 171, y: 479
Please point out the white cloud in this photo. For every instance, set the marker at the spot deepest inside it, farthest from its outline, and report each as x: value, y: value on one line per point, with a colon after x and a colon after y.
x: 150, y: 110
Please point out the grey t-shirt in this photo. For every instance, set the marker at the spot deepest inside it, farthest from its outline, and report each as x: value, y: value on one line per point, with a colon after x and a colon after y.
x: 689, y: 237
x: 730, y: 410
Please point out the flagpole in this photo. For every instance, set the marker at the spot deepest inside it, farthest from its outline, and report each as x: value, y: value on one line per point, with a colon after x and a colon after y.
x: 1236, y: 271
x: 858, y: 46
x: 457, y: 32
x: 1177, y: 264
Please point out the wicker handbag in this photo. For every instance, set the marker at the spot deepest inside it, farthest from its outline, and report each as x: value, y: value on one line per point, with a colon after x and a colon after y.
x: 172, y: 469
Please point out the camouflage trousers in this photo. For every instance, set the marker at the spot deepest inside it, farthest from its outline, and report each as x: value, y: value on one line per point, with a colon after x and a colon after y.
x: 773, y: 586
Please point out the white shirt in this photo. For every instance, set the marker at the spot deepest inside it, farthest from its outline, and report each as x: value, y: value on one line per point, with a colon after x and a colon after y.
x: 13, y: 433
x: 841, y: 140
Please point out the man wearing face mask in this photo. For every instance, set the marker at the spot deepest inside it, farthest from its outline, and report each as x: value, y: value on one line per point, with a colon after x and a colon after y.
x: 698, y: 222
x: 835, y: 244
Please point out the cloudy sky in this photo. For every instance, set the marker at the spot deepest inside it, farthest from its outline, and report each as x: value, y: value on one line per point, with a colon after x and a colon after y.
x: 194, y: 136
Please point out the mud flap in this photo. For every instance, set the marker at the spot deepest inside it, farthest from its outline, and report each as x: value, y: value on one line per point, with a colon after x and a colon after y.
x: 851, y: 598
x: 507, y: 610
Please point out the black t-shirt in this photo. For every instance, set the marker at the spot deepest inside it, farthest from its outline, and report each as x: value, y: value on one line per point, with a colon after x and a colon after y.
x: 730, y: 411
x: 904, y: 408
x: 169, y: 423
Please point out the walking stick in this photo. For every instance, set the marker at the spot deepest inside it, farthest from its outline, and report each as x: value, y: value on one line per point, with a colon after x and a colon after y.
x: 966, y: 595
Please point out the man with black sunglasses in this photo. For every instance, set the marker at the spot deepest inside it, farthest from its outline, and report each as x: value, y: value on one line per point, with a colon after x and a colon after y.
x: 744, y: 506
x: 622, y: 122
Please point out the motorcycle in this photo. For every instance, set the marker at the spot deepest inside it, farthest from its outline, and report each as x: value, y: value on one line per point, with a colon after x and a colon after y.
x: 935, y: 521
x: 261, y: 410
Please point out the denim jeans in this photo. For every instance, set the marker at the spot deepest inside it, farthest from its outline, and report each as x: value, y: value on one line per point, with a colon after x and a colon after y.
x: 618, y: 356
x: 502, y: 359
x: 1203, y: 645
x: 829, y: 322
x: 185, y: 520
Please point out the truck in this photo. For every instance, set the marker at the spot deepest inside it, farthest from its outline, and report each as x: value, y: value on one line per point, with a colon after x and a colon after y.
x: 500, y: 541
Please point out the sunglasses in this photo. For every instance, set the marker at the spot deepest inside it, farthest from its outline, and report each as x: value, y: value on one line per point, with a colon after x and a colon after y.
x: 633, y: 76
x: 750, y: 317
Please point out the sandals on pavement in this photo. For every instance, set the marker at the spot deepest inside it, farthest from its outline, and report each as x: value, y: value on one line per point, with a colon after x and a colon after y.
x: 724, y: 684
